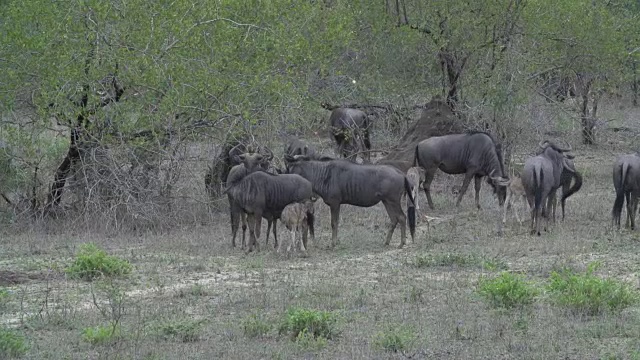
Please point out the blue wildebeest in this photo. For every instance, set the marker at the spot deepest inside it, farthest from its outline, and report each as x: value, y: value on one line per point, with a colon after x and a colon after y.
x: 626, y: 180
x: 566, y: 178
x: 541, y: 177
x: 475, y: 154
x: 250, y: 162
x: 340, y: 182
x: 350, y: 130
x: 261, y: 194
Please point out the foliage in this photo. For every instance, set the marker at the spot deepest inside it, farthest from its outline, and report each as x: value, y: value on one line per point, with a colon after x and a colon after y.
x: 101, y: 334
x: 12, y: 344
x: 589, y: 294
x: 255, y: 326
x: 395, y: 339
x: 187, y: 330
x: 308, y: 341
x: 507, y: 290
x: 91, y: 262
x: 315, y: 323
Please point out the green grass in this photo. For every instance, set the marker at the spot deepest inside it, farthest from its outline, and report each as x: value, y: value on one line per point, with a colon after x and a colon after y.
x: 101, y: 334
x: 186, y: 330
x: 458, y: 260
x: 315, y: 323
x: 588, y: 294
x: 91, y: 262
x: 12, y: 344
x: 395, y: 339
x: 255, y: 326
x: 507, y: 290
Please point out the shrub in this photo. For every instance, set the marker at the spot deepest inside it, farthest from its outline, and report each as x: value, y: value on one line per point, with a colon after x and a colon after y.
x: 307, y: 341
x: 186, y: 330
x: 315, y: 323
x: 101, y: 334
x: 507, y: 290
x: 12, y: 344
x: 92, y: 262
x: 396, y: 339
x: 254, y: 326
x: 589, y: 294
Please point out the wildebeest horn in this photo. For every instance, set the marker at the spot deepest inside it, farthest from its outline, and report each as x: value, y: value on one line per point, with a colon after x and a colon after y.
x: 544, y: 144
x: 234, y: 149
x: 566, y: 149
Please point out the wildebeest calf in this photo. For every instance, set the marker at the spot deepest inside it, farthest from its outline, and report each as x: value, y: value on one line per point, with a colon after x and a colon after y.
x: 415, y: 175
x: 515, y: 190
x: 294, y: 217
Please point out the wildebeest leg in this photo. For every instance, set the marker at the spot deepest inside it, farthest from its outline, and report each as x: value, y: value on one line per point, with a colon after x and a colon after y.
x: 426, y: 185
x: 304, y: 229
x: 394, y: 210
x: 243, y: 217
x: 310, y: 225
x: 251, y: 219
x: 465, y: 185
x: 478, y: 183
x: 507, y: 205
x: 335, y: 220
x: 627, y: 195
x: 634, y: 201
x: 293, y: 239
x: 235, y: 222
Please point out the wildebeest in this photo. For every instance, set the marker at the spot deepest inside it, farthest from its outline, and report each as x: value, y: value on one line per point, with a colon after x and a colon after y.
x: 515, y: 190
x: 294, y: 218
x: 568, y: 189
x: 250, y: 162
x: 541, y: 178
x: 340, y: 182
x: 296, y: 146
x: 230, y: 156
x: 475, y: 154
x: 350, y: 130
x: 626, y: 181
x: 263, y: 194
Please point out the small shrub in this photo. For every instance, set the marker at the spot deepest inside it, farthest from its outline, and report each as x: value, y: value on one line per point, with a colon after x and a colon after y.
x: 92, y: 262
x: 395, y: 339
x: 4, y: 298
x: 507, y: 290
x: 589, y: 294
x: 255, y: 326
x: 101, y: 335
x: 12, y: 344
x: 307, y: 341
x: 186, y: 330
x: 415, y: 294
x: 315, y: 323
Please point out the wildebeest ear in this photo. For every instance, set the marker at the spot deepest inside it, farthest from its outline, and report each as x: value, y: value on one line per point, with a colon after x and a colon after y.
x: 569, y: 156
x: 566, y: 165
x: 314, y: 198
x: 239, y: 158
x: 305, y: 150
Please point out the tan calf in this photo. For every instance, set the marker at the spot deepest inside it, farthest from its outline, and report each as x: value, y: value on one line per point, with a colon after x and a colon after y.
x: 514, y: 188
x: 294, y: 217
x: 416, y: 178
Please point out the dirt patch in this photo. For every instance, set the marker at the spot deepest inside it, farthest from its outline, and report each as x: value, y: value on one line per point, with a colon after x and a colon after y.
x: 10, y: 278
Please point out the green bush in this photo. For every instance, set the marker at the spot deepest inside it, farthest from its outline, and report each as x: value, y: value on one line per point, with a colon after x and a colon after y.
x: 12, y: 344
x: 589, y: 294
x: 315, y: 323
x: 307, y: 341
x: 186, y: 330
x: 507, y: 290
x: 394, y: 339
x: 255, y: 326
x: 101, y: 334
x: 92, y: 262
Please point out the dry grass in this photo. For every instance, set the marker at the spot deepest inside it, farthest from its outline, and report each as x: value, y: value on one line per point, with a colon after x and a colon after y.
x: 190, y: 295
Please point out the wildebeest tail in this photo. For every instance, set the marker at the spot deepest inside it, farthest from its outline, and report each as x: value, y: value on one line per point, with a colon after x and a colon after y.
x: 617, y: 205
x: 411, y: 208
x: 416, y: 161
x: 537, y: 188
x: 310, y: 222
x: 576, y: 186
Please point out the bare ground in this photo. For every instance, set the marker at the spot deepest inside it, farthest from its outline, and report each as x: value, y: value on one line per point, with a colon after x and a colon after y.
x: 192, y: 273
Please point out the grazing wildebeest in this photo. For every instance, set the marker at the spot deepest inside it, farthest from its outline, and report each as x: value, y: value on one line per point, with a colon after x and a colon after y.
x: 251, y: 163
x: 294, y: 217
x: 230, y: 156
x: 541, y: 178
x: 340, y: 182
x: 350, y: 130
x: 296, y: 146
x: 263, y: 194
x: 626, y: 180
x: 475, y: 154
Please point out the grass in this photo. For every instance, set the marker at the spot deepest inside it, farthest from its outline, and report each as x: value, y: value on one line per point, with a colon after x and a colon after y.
x: 457, y: 260
x: 395, y: 339
x: 507, y: 290
x: 101, y: 334
x: 12, y: 344
x: 588, y: 294
x: 255, y: 326
x: 91, y: 262
x: 308, y: 322
x: 186, y: 330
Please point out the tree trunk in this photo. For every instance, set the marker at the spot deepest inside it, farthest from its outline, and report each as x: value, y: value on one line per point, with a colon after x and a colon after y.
x: 62, y: 172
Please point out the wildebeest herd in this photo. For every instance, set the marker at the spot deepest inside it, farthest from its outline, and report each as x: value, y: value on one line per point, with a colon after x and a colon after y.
x: 256, y: 189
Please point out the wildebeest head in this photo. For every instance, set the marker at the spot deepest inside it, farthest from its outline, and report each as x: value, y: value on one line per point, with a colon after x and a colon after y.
x: 557, y: 154
x: 250, y: 157
x: 499, y: 185
x: 298, y: 147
